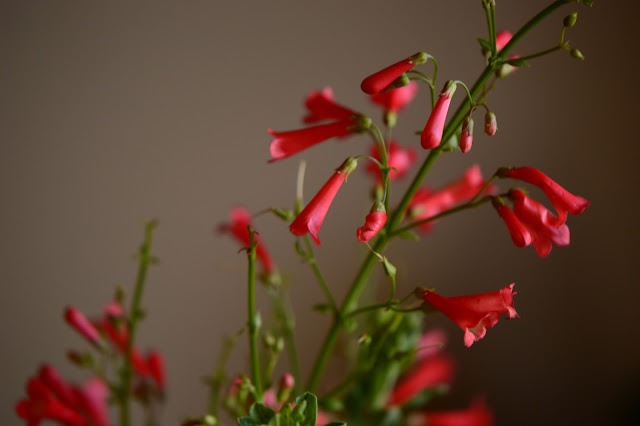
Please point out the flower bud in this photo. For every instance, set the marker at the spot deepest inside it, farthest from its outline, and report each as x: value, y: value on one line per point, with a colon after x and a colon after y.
x: 466, y: 137
x: 576, y: 54
x: 374, y: 222
x: 570, y: 20
x: 490, y: 123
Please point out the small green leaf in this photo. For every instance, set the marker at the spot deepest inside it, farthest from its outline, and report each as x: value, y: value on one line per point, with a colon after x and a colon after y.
x: 486, y: 46
x: 409, y: 235
x: 517, y: 62
x: 247, y: 421
x: 452, y: 144
x: 311, y: 408
x: 261, y: 413
x: 284, y: 214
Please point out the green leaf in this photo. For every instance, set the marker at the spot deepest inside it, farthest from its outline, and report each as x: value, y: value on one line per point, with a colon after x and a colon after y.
x: 452, y: 144
x: 284, y: 214
x: 409, y: 235
x: 310, y: 402
x: 261, y: 413
x: 247, y: 421
x: 486, y: 46
x: 518, y: 63
x: 336, y: 424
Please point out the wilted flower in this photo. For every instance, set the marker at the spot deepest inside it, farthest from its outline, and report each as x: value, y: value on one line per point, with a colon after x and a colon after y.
x: 374, y: 222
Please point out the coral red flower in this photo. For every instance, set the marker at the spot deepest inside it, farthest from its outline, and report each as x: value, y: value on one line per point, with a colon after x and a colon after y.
x: 291, y: 142
x: 427, y: 203
x: 474, y: 313
x: 81, y: 324
x: 379, y: 81
x: 466, y: 136
x: 374, y: 222
x: 155, y: 364
x: 430, y: 372
x: 400, y: 160
x: 502, y: 38
x: 478, y: 414
x: 540, y: 222
x: 51, y: 398
x: 432, y: 133
x: 519, y: 234
x: 240, y: 220
x: 311, y: 217
x: 396, y: 99
x: 563, y: 201
x: 321, y: 106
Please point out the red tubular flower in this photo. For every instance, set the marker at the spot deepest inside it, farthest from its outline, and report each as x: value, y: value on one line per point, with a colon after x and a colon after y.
x: 311, y: 217
x: 430, y: 372
x: 396, y: 99
x: 519, y: 234
x: 379, y: 81
x: 502, y: 38
x: 478, y: 414
x: 81, y: 324
x: 474, y: 313
x: 321, y: 106
x: 432, y: 133
x: 399, y: 158
x: 427, y: 203
x: 93, y: 396
x: 289, y: 143
x: 240, y: 220
x: 155, y: 363
x: 540, y: 222
x: 466, y: 137
x: 374, y: 222
x: 563, y: 201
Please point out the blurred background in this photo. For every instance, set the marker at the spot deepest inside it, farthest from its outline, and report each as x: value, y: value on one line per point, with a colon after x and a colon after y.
x: 113, y: 114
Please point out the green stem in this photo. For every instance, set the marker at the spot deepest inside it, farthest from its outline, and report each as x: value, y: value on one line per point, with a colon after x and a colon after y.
x: 542, y: 53
x: 135, y: 314
x: 398, y: 214
x: 252, y: 318
x: 311, y: 259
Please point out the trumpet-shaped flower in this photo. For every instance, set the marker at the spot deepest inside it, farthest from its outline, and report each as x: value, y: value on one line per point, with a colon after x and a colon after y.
x: 519, y: 233
x: 474, y: 313
x: 311, y: 217
x: 380, y: 81
x: 321, y: 106
x: 563, y: 201
x: 432, y: 133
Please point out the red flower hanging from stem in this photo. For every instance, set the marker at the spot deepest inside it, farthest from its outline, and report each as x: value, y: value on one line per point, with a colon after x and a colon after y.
x: 432, y: 133
x: 381, y: 80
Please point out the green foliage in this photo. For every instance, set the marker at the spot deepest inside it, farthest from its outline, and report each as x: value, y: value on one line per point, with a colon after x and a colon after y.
x: 304, y: 413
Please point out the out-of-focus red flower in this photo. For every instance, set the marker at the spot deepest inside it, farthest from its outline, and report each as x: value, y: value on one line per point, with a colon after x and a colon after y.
x: 396, y: 99
x: 474, y: 313
x: 81, y: 324
x: 155, y: 362
x: 478, y: 414
x: 379, y: 81
x: 518, y: 232
x: 240, y: 220
x: 399, y: 158
x: 540, y: 222
x: 430, y: 372
x: 51, y: 398
x: 374, y: 222
x: 311, y: 217
x: 286, y: 144
x: 427, y: 203
x: 321, y: 106
x: 563, y: 201
x: 432, y: 133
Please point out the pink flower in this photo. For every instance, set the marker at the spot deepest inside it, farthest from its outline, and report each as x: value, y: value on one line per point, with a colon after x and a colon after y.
x: 540, y: 222
x: 474, y: 313
x: 374, y: 222
x: 81, y: 324
x: 155, y: 363
x: 240, y: 220
x: 519, y: 234
x: 427, y: 203
x: 432, y: 133
x: 321, y: 106
x: 289, y: 143
x: 51, y: 398
x: 563, y: 201
x: 478, y: 414
x: 396, y: 99
x: 311, y: 217
x: 399, y: 158
x: 502, y: 38
x: 430, y: 372
x: 379, y: 81
x: 466, y: 136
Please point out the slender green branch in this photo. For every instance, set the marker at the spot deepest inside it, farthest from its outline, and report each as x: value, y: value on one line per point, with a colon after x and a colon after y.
x: 135, y: 314
x: 485, y: 186
x: 284, y: 312
x: 253, y: 322
x: 541, y: 53
x: 217, y: 379
x: 311, y: 259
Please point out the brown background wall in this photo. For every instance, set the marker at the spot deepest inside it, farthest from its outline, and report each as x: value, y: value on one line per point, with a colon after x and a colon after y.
x: 111, y: 114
